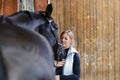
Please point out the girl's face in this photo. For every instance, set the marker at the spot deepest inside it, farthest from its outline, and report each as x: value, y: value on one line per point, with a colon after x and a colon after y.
x: 65, y: 40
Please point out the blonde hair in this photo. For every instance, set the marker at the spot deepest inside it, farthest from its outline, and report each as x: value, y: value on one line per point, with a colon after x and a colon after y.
x: 70, y: 34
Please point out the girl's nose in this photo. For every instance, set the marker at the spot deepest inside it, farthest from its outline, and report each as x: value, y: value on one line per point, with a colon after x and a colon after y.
x: 62, y: 39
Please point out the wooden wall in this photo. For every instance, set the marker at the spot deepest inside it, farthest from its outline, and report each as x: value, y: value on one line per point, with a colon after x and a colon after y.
x: 96, y: 24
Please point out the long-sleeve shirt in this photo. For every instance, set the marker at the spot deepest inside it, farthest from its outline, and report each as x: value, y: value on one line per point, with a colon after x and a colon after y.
x: 76, y: 69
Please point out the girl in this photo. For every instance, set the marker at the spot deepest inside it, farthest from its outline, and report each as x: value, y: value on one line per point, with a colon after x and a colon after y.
x: 68, y: 68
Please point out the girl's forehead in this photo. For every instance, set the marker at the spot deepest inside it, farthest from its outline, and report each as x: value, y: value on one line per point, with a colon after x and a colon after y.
x: 65, y: 35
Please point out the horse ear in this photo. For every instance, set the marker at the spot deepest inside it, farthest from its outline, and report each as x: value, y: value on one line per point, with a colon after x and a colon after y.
x: 49, y: 10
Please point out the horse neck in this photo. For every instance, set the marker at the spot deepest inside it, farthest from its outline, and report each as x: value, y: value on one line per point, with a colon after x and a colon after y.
x: 27, y: 19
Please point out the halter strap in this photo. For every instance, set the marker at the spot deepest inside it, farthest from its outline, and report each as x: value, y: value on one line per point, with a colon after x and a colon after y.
x: 60, y: 50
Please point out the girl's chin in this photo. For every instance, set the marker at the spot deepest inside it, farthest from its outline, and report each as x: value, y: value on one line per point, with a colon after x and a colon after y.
x: 65, y: 47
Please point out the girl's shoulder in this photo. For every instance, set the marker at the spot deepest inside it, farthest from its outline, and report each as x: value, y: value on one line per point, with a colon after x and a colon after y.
x: 73, y: 50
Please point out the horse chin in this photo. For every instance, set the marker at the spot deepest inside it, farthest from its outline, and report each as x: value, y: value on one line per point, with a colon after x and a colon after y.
x: 59, y: 52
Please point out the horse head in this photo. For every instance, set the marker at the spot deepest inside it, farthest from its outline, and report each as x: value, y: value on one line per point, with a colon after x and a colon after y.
x: 51, y: 33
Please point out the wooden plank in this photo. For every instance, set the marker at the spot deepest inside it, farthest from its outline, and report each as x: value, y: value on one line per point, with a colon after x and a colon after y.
x: 80, y: 26
x: 73, y: 20
x: 117, y: 39
x: 54, y: 4
x: 60, y: 13
x: 105, y: 48
x: 9, y: 6
x: 40, y: 5
x: 66, y: 15
x: 92, y: 39
x: 111, y: 41
x: 1, y: 7
x: 55, y: 9
x: 99, y: 39
x: 86, y: 32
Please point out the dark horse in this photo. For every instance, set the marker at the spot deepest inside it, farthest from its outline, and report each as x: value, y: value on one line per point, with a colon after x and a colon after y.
x: 41, y: 22
x: 24, y: 55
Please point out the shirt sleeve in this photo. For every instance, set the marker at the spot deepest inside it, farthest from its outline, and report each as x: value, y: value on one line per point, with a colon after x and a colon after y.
x: 76, y: 70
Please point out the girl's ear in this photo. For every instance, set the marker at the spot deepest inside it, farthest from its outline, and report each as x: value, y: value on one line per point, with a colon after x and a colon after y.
x: 49, y: 10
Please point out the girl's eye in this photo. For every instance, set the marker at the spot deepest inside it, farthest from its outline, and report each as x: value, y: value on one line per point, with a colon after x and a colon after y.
x: 61, y: 38
x: 66, y: 38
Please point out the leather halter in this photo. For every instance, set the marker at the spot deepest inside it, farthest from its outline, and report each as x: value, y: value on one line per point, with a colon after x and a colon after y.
x: 60, y: 50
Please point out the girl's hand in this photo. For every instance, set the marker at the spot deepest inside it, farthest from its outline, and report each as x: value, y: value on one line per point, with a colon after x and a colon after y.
x: 57, y: 77
x: 59, y: 63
